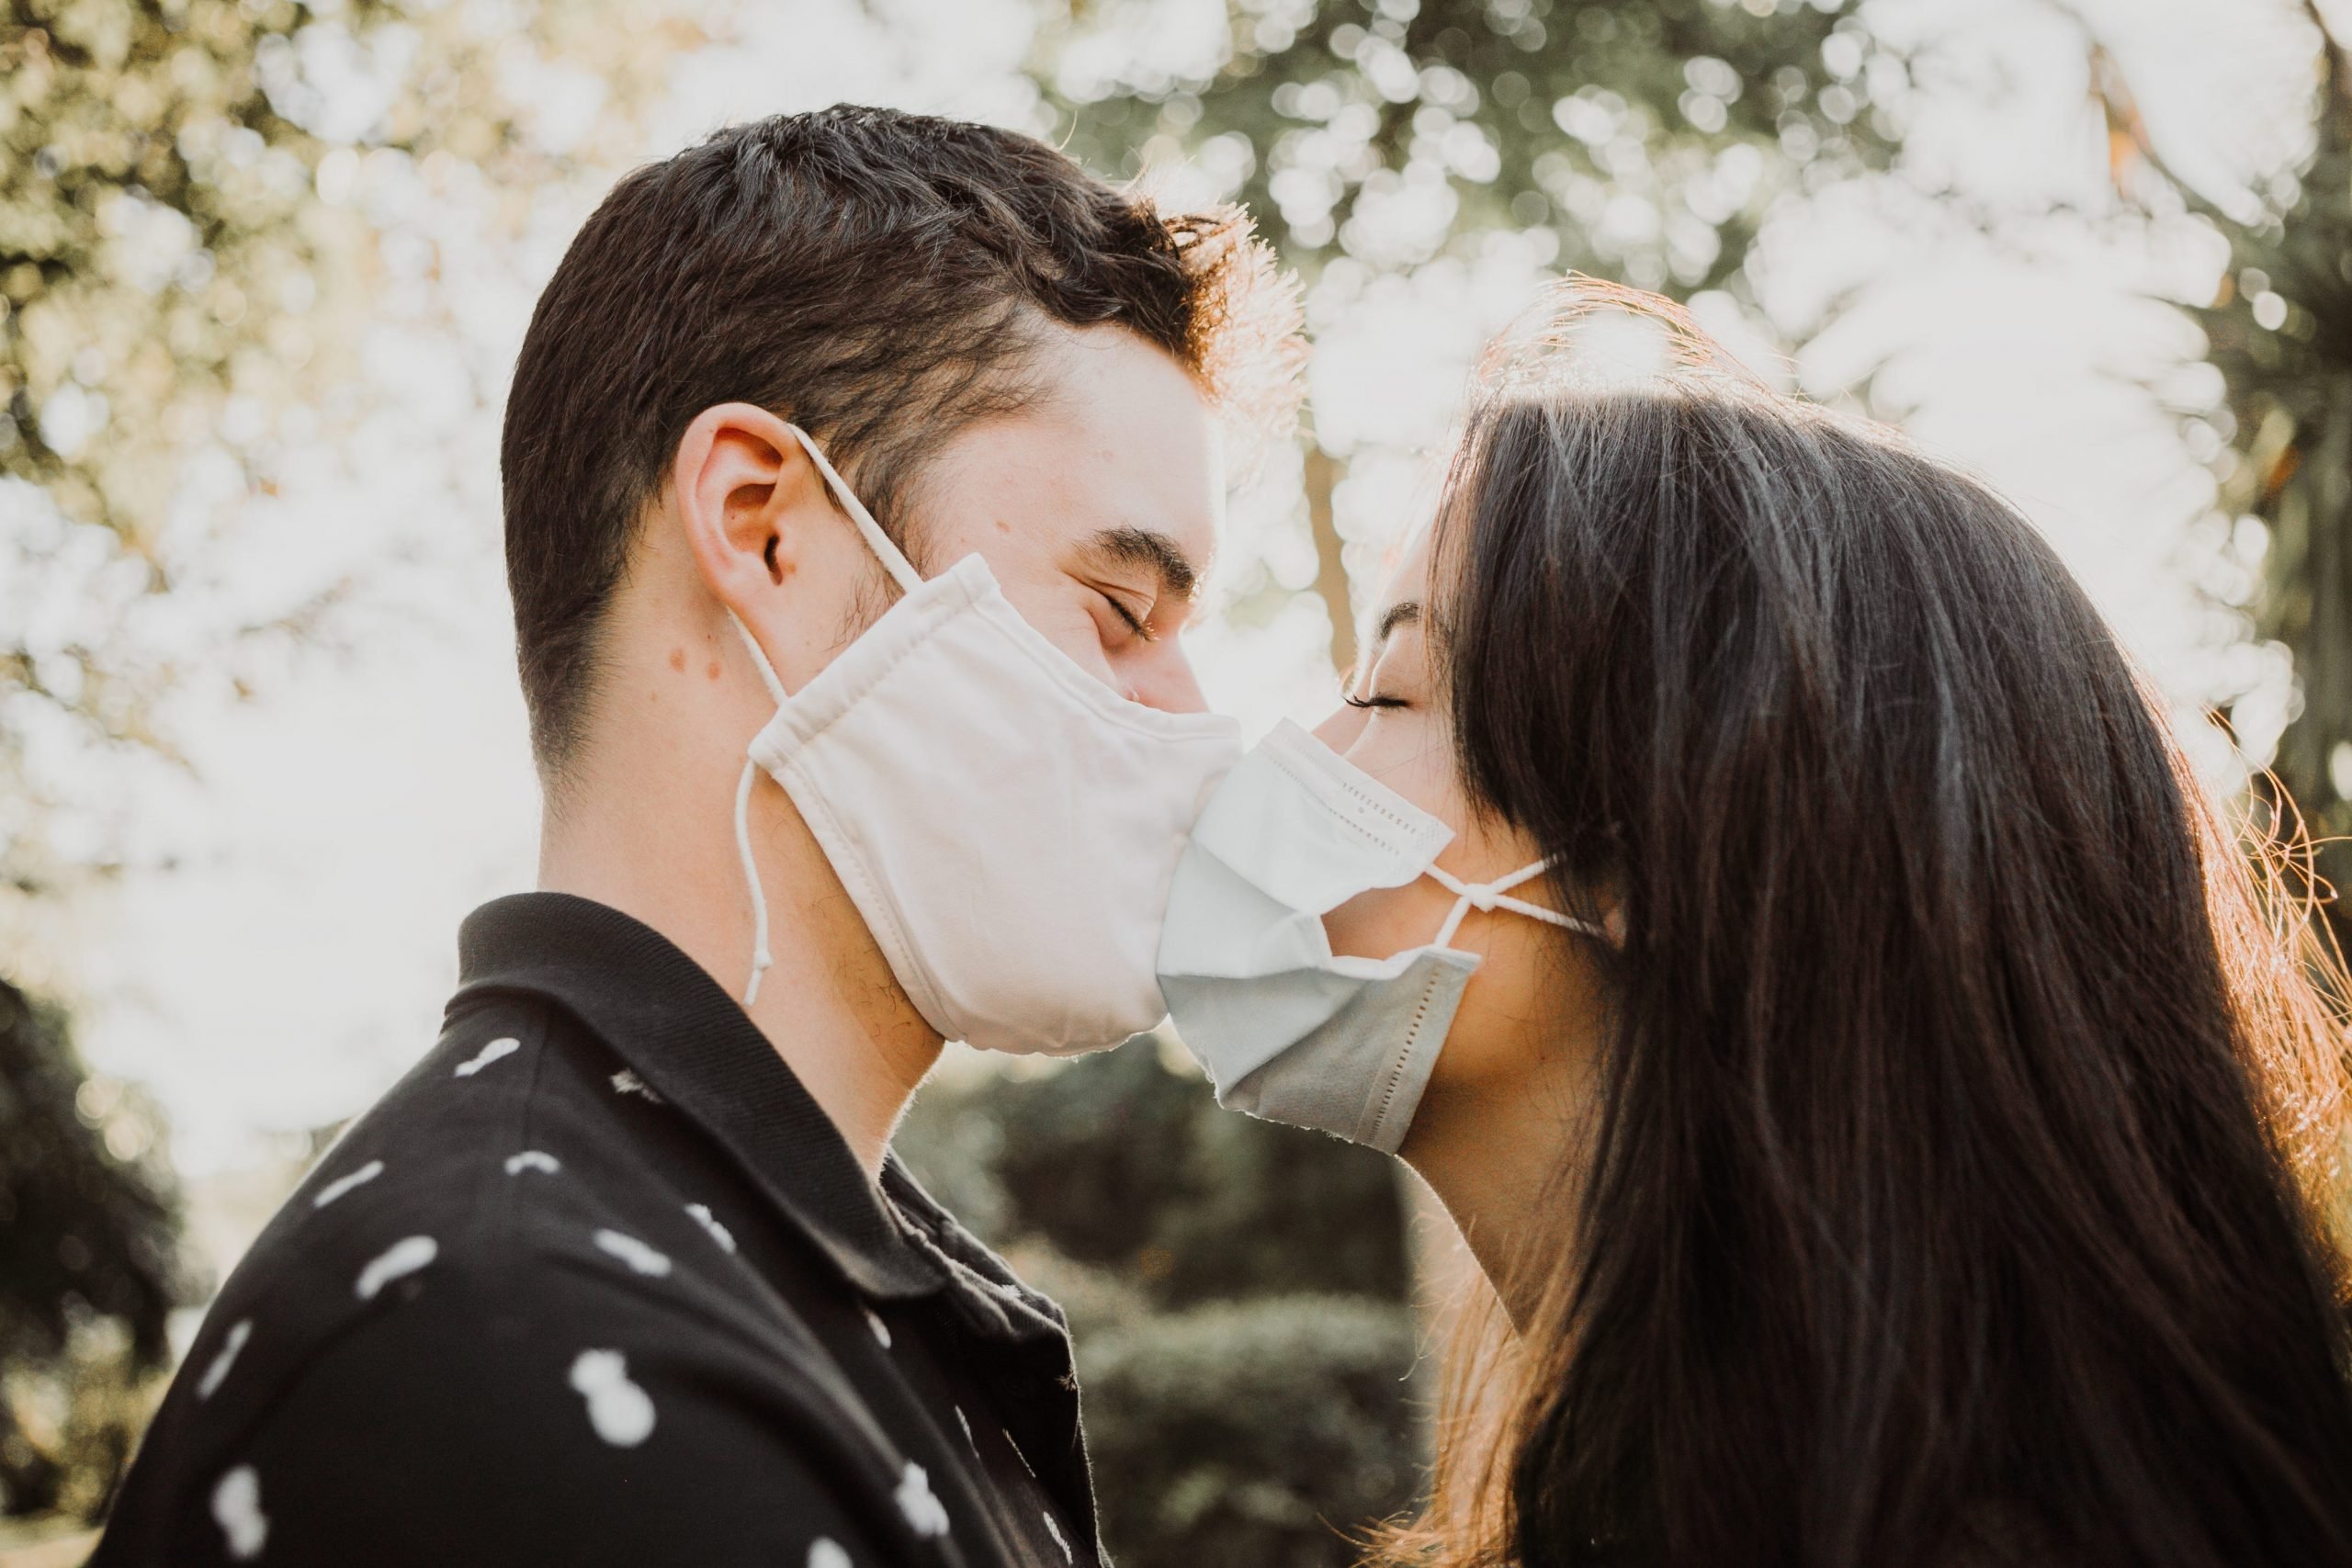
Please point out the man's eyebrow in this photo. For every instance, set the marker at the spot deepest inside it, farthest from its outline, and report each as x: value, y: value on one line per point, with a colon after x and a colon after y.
x: 1141, y: 547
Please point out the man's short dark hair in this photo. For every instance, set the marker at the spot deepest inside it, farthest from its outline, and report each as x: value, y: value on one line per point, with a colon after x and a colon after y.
x: 879, y: 278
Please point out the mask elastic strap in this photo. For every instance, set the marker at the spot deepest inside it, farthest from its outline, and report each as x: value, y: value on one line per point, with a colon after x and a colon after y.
x: 893, y: 559
x: 761, y: 957
x: 1495, y: 895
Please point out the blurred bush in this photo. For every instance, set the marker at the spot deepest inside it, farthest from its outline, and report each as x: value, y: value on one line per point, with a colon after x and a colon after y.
x: 1246, y: 1431
x: 1238, y: 1291
x: 89, y: 1227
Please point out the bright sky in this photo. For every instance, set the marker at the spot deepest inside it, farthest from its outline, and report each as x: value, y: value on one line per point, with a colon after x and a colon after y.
x: 286, y: 951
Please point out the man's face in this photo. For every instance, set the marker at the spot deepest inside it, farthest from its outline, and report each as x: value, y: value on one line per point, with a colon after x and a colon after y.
x: 1098, y: 509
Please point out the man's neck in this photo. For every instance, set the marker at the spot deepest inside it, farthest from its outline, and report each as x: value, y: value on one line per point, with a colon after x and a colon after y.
x: 659, y: 847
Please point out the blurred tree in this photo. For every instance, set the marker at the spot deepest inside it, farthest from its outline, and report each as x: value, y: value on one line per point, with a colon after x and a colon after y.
x: 89, y: 1273
x: 2280, y: 333
x: 1647, y: 138
x: 1237, y: 1290
x: 186, y: 245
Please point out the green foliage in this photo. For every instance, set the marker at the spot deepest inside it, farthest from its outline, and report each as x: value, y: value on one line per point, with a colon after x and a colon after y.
x: 88, y: 1273
x: 1194, y: 1201
x: 156, y: 221
x: 2281, y: 336
x: 2280, y: 333
x: 1649, y: 136
x: 1273, y: 1424
x: 1237, y: 1292
x: 188, y: 255
x: 1643, y: 140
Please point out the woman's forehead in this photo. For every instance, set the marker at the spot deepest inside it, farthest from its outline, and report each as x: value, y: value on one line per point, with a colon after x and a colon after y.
x: 1410, y: 579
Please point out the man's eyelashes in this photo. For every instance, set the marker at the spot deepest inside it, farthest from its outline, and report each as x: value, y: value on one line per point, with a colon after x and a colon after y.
x: 1135, y: 623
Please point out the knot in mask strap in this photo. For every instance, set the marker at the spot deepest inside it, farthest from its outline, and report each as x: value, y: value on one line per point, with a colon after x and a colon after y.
x: 1488, y: 896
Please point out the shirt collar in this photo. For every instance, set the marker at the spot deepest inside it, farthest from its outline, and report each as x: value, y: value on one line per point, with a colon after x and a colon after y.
x: 665, y: 1016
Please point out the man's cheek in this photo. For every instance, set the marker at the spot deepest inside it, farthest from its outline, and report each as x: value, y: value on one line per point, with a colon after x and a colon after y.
x: 1064, y: 620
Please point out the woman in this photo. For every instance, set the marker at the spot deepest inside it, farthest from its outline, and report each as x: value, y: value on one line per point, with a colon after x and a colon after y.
x: 1918, y: 1150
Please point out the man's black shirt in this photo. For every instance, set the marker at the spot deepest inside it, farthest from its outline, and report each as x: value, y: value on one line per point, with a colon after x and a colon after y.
x: 598, y: 1282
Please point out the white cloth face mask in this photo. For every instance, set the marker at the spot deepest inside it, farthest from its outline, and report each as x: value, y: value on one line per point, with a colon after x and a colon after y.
x: 1286, y: 1030
x: 1006, y: 823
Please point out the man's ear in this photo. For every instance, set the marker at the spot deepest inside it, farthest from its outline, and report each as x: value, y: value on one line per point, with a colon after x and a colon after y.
x: 745, y: 487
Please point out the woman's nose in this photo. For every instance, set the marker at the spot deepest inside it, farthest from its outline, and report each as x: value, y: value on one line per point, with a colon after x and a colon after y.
x: 1340, y: 730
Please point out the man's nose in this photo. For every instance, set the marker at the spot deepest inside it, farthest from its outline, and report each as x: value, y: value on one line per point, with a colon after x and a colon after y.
x: 1166, y: 681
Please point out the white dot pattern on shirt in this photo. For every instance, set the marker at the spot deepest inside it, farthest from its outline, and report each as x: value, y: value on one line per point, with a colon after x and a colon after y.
x: 341, y: 1185
x: 925, y: 1513
x: 621, y: 1412
x: 236, y: 1508
x: 627, y: 1082
x: 497, y: 1050
x: 641, y: 1259
x: 718, y: 1232
x: 218, y: 1372
x: 403, y: 1257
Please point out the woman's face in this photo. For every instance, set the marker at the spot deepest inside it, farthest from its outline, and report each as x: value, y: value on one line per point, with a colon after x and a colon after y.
x: 1394, y: 728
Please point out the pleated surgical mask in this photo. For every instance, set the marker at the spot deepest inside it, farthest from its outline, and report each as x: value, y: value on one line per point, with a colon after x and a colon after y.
x: 1285, y: 1028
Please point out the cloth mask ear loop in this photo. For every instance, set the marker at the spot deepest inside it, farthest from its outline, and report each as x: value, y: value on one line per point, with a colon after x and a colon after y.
x: 761, y: 957
x: 903, y: 573
x: 902, y: 570
x: 1495, y: 896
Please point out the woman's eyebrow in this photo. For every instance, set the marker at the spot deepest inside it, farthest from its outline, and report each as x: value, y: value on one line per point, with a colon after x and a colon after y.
x: 1179, y: 578
x: 1404, y: 612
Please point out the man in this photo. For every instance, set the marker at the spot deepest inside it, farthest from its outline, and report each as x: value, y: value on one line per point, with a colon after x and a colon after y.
x: 621, y: 1273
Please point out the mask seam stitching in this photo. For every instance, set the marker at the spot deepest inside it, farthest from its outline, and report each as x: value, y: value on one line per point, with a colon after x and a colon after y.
x: 1151, y: 723
x: 944, y: 618
x: 1395, y: 1075
x: 1322, y: 783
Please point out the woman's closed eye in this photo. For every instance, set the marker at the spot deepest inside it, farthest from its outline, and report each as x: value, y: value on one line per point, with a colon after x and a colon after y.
x: 1375, y: 700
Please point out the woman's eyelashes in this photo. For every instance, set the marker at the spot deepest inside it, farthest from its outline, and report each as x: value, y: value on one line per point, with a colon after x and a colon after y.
x: 1374, y: 700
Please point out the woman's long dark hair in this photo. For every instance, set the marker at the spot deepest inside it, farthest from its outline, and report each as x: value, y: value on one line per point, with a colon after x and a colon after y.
x: 1958, y: 1192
